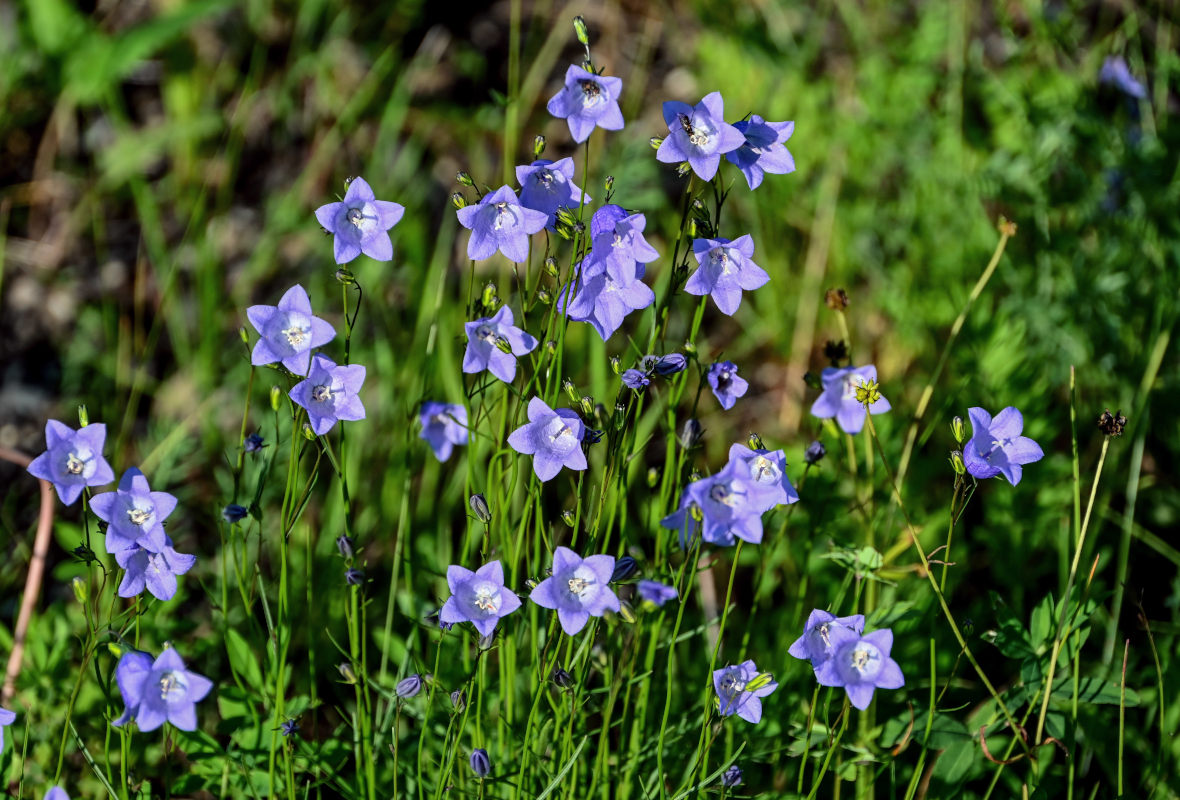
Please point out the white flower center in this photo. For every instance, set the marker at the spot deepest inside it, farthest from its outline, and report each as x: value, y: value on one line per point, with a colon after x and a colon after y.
x: 725, y: 260
x: 578, y: 585
x: 720, y: 493
x: 139, y: 516
x: 321, y: 393
x: 732, y: 685
x: 486, y: 332
x: 505, y: 216
x: 592, y: 93
x: 484, y: 599
x: 296, y: 335
x: 75, y: 465
x: 355, y: 217
x: 173, y: 686
x: 698, y: 135
x: 765, y: 471
x: 865, y: 659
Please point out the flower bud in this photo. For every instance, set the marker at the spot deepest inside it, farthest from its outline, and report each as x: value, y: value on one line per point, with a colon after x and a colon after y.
x: 625, y: 567
x: 245, y: 337
x: 683, y: 168
x: 653, y: 477
x: 84, y: 553
x: 344, y: 545
x: 731, y: 777
x: 551, y: 347
x: 479, y: 505
x: 458, y: 700
x: 276, y: 397
x: 614, y: 364
x: 567, y: 517
x: 354, y: 576
x: 458, y: 201
x: 409, y: 686
x: 586, y: 403
x: 627, y: 612
x: 655, y: 142
x: 81, y: 589
x: 345, y: 276
x: 464, y: 179
x: 83, y: 416
x: 957, y: 464
x: 308, y: 432
x: 580, y: 31
x: 538, y: 145
x: 551, y: 267
x: 957, y: 430
x: 571, y: 391
x: 253, y: 443
x: 671, y: 364
x: 544, y: 297
x: 347, y: 672
x: 755, y: 442
x: 481, y: 765
x: 690, y: 348
x: 610, y: 186
x: 815, y: 451
x: 562, y: 678
x: 813, y: 380
x: 234, y: 513
x: 690, y: 433
x: 503, y: 345
x: 489, y: 295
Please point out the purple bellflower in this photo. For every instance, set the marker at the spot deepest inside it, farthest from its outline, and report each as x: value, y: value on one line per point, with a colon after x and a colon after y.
x: 699, y: 135
x: 838, y: 398
x: 815, y: 645
x: 444, y: 425
x: 578, y: 589
x: 329, y: 393
x: 134, y: 514
x: 618, y: 245
x: 483, y: 351
x: 288, y: 331
x: 154, y: 571
x: 635, y: 379
x: 732, y: 777
x: 860, y: 664
x: 726, y: 385
x: 734, y: 694
x: 763, y: 151
x: 764, y: 473
x: 725, y: 270
x: 500, y: 222
x: 478, y: 597
x: 552, y: 438
x: 996, y: 446
x: 724, y: 507
x: 480, y: 764
x: 6, y: 718
x: 155, y: 692
x: 1115, y: 72
x: 546, y: 186
x: 73, y: 459
x: 56, y: 793
x: 586, y: 101
x: 361, y: 223
x: 655, y: 592
x: 604, y: 301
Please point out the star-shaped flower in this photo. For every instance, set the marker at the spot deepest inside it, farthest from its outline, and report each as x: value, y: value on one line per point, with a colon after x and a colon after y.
x: 546, y: 186
x: 699, y: 135
x: 329, y: 393
x: 361, y: 223
x: 484, y: 340
x: 604, y: 301
x: 839, y: 397
x: 996, y: 446
x: 134, y: 513
x: 815, y: 645
x: 734, y: 692
x: 478, y: 597
x: 763, y: 150
x: 500, y: 222
x: 588, y: 100
x: 618, y: 245
x: 73, y: 459
x: 154, y: 571
x: 444, y: 425
x: 578, y: 589
x: 764, y: 473
x: 726, y: 385
x: 656, y: 592
x: 552, y: 438
x: 288, y: 331
x: 860, y: 664
x: 155, y: 692
x: 725, y: 270
x: 723, y: 504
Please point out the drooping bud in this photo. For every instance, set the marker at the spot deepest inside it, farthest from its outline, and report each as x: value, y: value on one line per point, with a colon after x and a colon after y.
x: 581, y: 31
x: 957, y: 464
x: 957, y: 430
x: 815, y: 451
x: 655, y: 142
x: 551, y: 267
x: 562, y: 678
x: 571, y: 391
x: 81, y: 589
x: 567, y: 517
x: 671, y: 364
x: 464, y: 179
x: 538, y: 146
x: 408, y: 687
x: 690, y: 433
x: 276, y: 397
x: 625, y: 567
x: 347, y: 672
x: 479, y: 505
x: 481, y: 765
x: 354, y: 576
x: 234, y: 513
x: 458, y: 201
x: 458, y: 701
x: 344, y: 546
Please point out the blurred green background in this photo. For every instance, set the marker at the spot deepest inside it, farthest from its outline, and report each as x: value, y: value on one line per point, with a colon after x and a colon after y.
x: 160, y: 162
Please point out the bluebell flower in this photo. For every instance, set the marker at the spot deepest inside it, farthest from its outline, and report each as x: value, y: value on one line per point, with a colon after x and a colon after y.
x: 815, y: 451
x: 618, y: 244
x: 483, y: 351
x: 154, y: 571
x: 329, y: 393
x: 444, y: 425
x: 408, y: 686
x: 1115, y: 72
x: 73, y: 459
x: 996, y: 446
x: 578, y: 589
x: 699, y: 135
x: 763, y: 150
x: 500, y: 222
x: 234, y: 513
x: 655, y: 592
x: 860, y: 664
x: 726, y: 268
x: 727, y: 387
x: 253, y: 443
x: 734, y: 694
x: 588, y: 100
x: 671, y: 364
x: 725, y: 509
x: 604, y: 301
x: 549, y: 185
x: 838, y: 398
x: 552, y: 438
x: 481, y: 765
x: 634, y: 379
x: 479, y: 597
x: 288, y: 331
x: 289, y: 728
x: 764, y: 473
x: 159, y: 691
x: 815, y: 645
x: 360, y: 223
x: 732, y: 777
x: 134, y: 513
x: 56, y: 793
